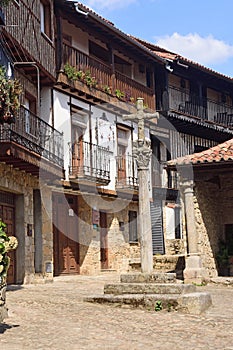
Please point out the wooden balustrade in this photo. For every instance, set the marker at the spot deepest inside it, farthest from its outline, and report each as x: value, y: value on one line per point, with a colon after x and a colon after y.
x: 204, y: 108
x: 105, y: 79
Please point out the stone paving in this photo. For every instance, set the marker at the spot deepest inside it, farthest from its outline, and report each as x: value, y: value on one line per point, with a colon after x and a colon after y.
x: 53, y: 316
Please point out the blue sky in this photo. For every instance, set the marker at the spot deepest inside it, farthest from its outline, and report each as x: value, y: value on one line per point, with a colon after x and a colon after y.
x: 201, y: 30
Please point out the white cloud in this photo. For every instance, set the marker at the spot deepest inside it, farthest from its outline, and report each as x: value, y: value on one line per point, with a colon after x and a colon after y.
x: 205, y: 50
x: 108, y: 4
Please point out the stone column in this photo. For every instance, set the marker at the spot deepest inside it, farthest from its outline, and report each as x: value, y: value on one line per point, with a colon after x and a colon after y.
x: 142, y: 153
x: 193, y: 272
x: 47, y: 232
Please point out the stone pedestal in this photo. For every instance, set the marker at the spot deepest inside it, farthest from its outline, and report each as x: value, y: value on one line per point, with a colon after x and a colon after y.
x: 155, y: 291
x: 194, y: 272
x: 3, y: 308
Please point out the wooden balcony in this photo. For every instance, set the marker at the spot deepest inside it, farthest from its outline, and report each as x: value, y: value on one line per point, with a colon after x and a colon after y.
x: 126, y: 172
x: 203, y: 109
x: 90, y: 163
x: 100, y: 76
x: 32, y: 145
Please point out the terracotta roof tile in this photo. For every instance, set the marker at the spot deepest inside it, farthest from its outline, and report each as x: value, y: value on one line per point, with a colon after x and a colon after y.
x: 166, y: 54
x: 220, y: 153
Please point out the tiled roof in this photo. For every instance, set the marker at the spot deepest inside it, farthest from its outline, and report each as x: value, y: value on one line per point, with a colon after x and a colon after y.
x: 166, y: 54
x: 110, y: 25
x: 220, y: 153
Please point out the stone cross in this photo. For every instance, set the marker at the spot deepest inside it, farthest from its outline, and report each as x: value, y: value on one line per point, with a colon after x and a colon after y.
x: 142, y: 153
x: 139, y: 118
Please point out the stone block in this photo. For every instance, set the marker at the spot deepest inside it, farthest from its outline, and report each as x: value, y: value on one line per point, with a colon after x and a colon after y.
x: 148, y: 288
x: 195, y: 303
x: 191, y: 303
x: 157, y: 277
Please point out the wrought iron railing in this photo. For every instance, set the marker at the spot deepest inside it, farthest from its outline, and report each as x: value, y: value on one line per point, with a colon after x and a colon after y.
x: 106, y: 79
x: 205, y: 108
x: 90, y: 161
x: 35, y: 135
x: 126, y: 172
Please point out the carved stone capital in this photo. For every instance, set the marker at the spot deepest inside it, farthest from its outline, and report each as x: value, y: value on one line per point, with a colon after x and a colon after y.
x: 142, y: 153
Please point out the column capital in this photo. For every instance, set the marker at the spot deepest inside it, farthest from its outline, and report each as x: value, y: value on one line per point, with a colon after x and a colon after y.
x: 186, y: 185
x: 142, y: 153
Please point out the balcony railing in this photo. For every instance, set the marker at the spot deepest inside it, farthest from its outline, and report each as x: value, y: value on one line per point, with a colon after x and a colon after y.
x: 90, y: 162
x: 106, y: 79
x: 126, y: 172
x: 34, y: 134
x: 204, y: 109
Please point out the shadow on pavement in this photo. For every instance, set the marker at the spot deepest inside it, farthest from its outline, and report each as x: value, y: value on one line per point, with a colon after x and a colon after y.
x: 4, y: 327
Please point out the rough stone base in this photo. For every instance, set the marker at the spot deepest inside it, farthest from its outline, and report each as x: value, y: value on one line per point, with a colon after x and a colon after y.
x: 193, y: 303
x: 194, y: 272
x: 146, y: 291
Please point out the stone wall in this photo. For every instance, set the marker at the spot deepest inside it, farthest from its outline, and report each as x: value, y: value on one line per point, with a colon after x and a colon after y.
x: 120, y: 251
x: 22, y: 185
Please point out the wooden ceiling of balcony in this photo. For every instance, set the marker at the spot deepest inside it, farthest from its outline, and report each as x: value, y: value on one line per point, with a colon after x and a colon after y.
x: 20, y: 158
x: 106, y: 32
x: 18, y: 54
x: 197, y: 127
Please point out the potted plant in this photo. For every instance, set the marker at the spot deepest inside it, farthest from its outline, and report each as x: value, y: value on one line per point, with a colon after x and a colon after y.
x: 6, y: 244
x: 10, y: 90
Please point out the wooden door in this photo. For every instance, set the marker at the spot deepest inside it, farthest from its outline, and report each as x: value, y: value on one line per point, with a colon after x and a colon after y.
x: 103, y: 241
x: 121, y: 164
x: 78, y: 150
x: 65, y: 232
x: 8, y: 217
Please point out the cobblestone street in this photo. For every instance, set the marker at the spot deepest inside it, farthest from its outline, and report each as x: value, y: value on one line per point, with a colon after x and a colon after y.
x: 54, y: 316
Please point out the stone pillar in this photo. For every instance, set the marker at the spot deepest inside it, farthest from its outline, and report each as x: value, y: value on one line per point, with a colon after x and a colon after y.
x: 142, y: 153
x: 193, y: 272
x: 47, y: 232
x: 29, y: 236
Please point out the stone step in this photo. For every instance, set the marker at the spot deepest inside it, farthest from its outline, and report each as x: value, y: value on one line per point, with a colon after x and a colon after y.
x: 155, y: 277
x: 148, y: 288
x: 192, y: 303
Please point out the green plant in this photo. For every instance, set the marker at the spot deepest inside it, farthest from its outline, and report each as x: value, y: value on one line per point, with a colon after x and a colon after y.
x: 89, y: 80
x: 6, y: 244
x: 5, y: 2
x: 70, y: 71
x: 107, y: 89
x: 119, y: 94
x: 10, y: 90
x: 74, y: 74
x: 158, y: 305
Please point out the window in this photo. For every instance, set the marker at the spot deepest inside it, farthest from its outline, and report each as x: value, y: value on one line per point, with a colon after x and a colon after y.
x: 45, y: 18
x: 133, y: 232
x: 30, y: 111
x: 123, y: 135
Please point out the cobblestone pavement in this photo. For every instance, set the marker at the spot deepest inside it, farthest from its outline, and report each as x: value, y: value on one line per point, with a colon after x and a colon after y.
x: 53, y: 316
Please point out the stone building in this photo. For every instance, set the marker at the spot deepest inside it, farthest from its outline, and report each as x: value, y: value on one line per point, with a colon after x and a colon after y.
x: 77, y: 211
x: 211, y: 192
x: 31, y: 150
